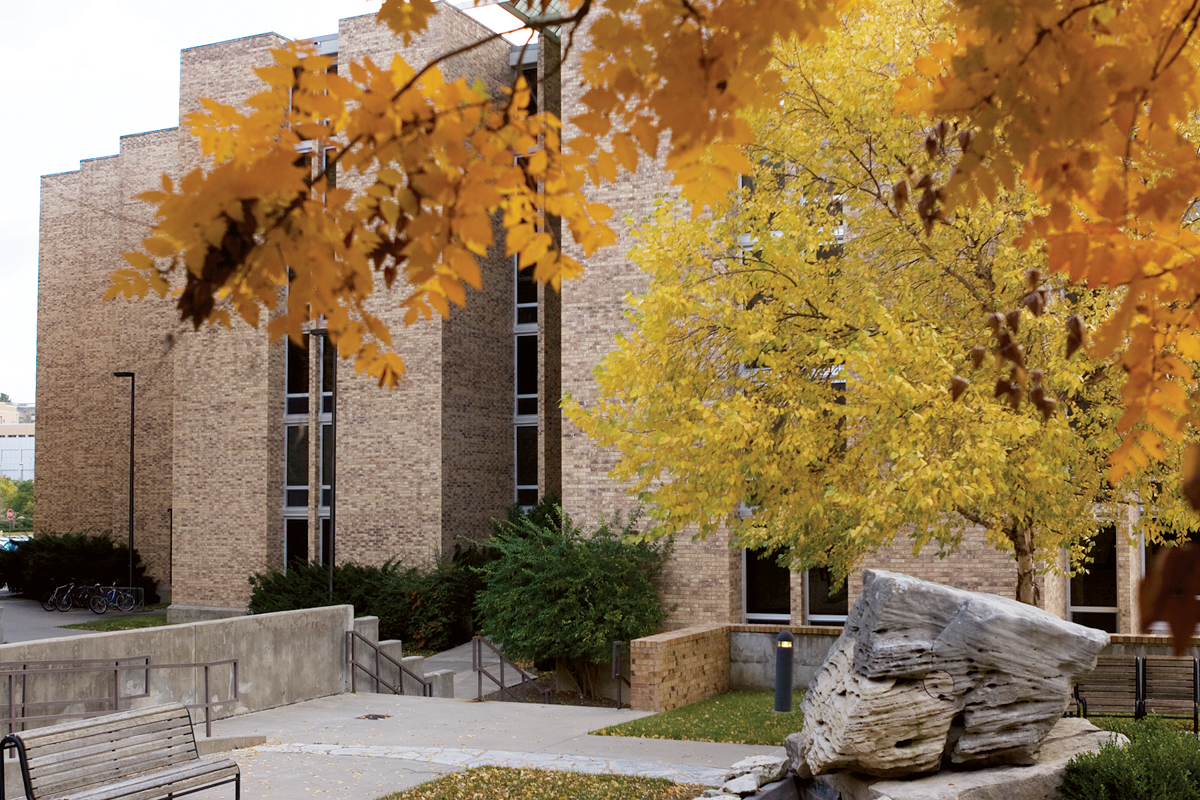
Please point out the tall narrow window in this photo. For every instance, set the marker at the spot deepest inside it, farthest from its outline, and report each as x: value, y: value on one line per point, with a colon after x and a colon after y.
x: 326, y: 463
x: 295, y: 541
x: 297, y: 379
x: 526, y: 298
x: 525, y: 389
x: 1093, y: 596
x: 297, y: 466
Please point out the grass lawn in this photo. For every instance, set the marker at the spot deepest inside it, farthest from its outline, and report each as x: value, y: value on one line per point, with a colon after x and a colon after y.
x: 741, y: 717
x: 151, y: 620
x: 490, y: 783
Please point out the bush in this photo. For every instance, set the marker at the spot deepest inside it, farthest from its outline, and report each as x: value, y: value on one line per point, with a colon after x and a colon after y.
x: 35, y: 567
x: 428, y: 608
x: 1161, y: 762
x: 553, y: 591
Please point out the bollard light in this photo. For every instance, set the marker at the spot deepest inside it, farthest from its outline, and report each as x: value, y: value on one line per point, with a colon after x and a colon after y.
x: 783, y: 671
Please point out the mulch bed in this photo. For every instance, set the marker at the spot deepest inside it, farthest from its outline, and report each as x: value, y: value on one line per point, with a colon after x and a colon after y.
x: 546, y: 680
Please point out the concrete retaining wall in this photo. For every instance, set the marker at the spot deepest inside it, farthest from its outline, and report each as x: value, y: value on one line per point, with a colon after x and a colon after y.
x: 283, y: 658
x: 752, y: 654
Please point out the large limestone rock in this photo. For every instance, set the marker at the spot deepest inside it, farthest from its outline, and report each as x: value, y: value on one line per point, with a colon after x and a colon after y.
x: 1068, y: 738
x: 925, y: 674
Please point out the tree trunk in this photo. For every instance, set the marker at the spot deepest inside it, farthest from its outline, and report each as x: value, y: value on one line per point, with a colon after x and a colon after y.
x: 1022, y: 539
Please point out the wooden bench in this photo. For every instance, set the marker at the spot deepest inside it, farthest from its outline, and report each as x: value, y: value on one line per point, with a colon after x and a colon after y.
x: 133, y: 755
x: 1113, y: 688
x: 1170, y: 688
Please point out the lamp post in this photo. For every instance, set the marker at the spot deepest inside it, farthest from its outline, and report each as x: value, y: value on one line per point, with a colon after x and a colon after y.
x: 132, y: 395
x: 783, y: 671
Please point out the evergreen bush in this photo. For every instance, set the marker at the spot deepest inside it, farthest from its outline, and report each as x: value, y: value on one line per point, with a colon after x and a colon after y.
x: 554, y: 591
x: 1161, y: 762
x: 424, y: 607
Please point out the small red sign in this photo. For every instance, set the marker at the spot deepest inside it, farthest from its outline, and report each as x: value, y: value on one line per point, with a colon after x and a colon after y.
x: 11, y: 513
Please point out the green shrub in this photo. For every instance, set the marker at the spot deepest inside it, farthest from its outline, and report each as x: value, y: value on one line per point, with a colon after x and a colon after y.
x: 35, y: 567
x: 1160, y: 762
x: 553, y: 591
x: 428, y: 608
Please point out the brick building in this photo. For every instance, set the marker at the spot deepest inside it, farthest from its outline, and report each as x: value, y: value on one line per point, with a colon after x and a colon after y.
x: 233, y: 434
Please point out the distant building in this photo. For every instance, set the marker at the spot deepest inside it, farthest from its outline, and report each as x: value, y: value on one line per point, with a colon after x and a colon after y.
x: 234, y: 434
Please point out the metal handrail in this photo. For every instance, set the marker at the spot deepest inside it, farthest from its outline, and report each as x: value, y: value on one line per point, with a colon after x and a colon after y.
x: 22, y: 670
x: 352, y: 637
x: 477, y: 643
x: 616, y: 671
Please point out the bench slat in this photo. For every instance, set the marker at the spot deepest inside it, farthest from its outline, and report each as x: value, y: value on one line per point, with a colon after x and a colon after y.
x: 149, y: 787
x: 121, y: 721
x: 117, y: 746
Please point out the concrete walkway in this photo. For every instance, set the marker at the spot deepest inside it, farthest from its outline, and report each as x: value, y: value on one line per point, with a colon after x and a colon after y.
x: 26, y: 620
x: 466, y: 680
x: 366, y: 746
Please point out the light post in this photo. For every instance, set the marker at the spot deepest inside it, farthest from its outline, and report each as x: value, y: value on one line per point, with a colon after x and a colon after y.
x: 783, y: 671
x: 132, y: 394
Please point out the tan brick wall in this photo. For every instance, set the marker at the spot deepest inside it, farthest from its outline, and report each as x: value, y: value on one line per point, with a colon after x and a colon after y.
x: 674, y: 669
x: 975, y: 565
x: 477, y: 405
x: 88, y: 220
x: 703, y: 581
x: 228, y: 430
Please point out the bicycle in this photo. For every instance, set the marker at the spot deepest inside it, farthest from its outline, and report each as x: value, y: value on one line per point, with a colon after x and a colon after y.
x: 123, y: 599
x: 82, y: 596
x: 50, y: 601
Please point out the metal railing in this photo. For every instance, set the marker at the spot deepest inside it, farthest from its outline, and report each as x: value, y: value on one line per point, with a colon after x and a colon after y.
x: 352, y: 639
x: 18, y: 674
x: 616, y: 671
x: 477, y: 645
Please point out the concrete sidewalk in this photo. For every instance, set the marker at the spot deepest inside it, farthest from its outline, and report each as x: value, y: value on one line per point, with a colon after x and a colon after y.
x: 365, y: 746
x: 26, y: 620
x: 466, y: 680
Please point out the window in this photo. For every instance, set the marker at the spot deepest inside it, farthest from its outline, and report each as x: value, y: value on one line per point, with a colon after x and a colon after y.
x: 295, y: 541
x: 297, y: 379
x: 526, y: 300
x: 326, y: 464
x: 526, y: 441
x: 527, y: 376
x: 297, y: 466
x: 525, y: 389
x: 825, y: 606
x: 1092, y: 599
x: 766, y: 587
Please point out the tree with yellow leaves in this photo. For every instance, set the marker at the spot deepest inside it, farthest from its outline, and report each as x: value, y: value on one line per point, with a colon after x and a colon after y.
x: 787, y: 369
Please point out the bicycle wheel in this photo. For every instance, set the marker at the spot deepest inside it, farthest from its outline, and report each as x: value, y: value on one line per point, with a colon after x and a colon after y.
x: 125, y: 601
x: 49, y: 599
x: 63, y: 601
x: 98, y: 604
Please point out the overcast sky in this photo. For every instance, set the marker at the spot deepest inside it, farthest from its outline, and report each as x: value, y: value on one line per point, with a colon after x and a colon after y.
x: 82, y: 73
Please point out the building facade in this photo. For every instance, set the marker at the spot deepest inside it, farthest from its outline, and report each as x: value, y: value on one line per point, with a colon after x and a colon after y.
x: 248, y: 453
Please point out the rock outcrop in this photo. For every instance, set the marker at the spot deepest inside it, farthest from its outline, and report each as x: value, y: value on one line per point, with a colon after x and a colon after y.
x: 925, y: 675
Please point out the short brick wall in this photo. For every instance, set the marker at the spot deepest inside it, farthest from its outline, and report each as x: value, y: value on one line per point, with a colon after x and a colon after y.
x: 679, y: 667
x: 1124, y: 644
